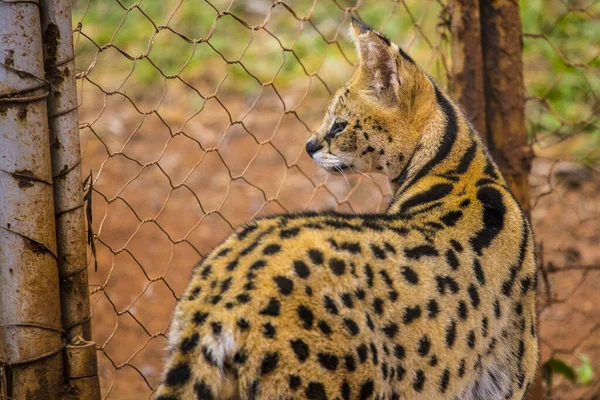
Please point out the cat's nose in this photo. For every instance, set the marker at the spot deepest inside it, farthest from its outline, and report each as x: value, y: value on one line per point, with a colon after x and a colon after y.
x: 312, y: 146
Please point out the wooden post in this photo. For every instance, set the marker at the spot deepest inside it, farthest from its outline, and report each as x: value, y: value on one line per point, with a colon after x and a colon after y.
x: 467, y: 61
x: 81, y: 372
x: 31, y: 336
x: 502, y: 49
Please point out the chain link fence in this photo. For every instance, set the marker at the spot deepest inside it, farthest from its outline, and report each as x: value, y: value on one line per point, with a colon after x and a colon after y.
x: 194, y: 115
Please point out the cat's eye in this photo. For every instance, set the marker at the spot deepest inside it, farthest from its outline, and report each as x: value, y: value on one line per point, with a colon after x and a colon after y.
x: 337, y: 128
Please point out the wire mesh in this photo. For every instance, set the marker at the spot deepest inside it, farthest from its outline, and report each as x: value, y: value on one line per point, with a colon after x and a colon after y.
x: 194, y: 117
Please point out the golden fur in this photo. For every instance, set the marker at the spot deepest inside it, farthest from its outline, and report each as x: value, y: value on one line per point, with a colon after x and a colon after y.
x: 433, y: 299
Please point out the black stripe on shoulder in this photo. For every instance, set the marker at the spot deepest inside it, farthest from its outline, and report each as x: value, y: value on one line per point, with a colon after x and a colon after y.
x: 450, y: 133
x: 494, y: 212
x: 467, y: 158
x: 490, y: 169
x: 436, y: 192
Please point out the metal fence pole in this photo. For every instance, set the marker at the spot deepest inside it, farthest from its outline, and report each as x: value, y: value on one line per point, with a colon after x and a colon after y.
x: 31, y: 336
x: 81, y: 372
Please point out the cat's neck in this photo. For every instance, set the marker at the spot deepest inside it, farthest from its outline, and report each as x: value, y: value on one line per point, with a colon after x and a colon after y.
x: 450, y: 154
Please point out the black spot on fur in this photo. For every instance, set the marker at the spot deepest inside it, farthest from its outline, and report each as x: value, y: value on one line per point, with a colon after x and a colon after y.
x: 203, y: 391
x: 410, y: 275
x: 444, y: 380
x: 484, y: 327
x: 378, y: 305
x: 324, y: 327
x: 337, y: 266
x: 369, y: 274
x: 285, y: 285
x: 474, y: 295
x: 451, y: 259
x: 306, y: 316
x: 378, y: 252
x: 315, y: 391
x: 243, y: 298
x: 240, y: 357
x: 269, y: 363
x: 330, y: 305
x: 419, y: 380
x: 269, y: 330
x: 478, y: 271
x: 347, y: 300
x: 451, y: 334
x: 362, y: 352
x: 462, y: 366
x: 353, y: 248
x: 471, y: 339
x: 390, y: 329
x: 316, y: 256
x: 497, y: 309
x: 246, y: 230
x: 366, y: 390
x: 451, y: 218
x: 351, y: 326
x: 301, y: 269
x: 420, y: 251
x: 411, y: 314
x: 289, y: 233
x: 216, y: 327
x: 328, y: 361
x: 350, y: 362
x: 243, y: 324
x: 424, y: 346
x: 300, y: 349
x: 370, y: 323
x: 456, y: 245
x: 432, y: 308
x: 189, y: 343
x: 463, y: 310
x: 446, y: 283
x: 272, y: 309
x: 272, y: 249
x: 294, y: 382
x: 200, y: 318
x: 207, y: 354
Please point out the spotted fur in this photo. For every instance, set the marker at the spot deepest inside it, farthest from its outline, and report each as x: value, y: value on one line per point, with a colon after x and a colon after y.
x: 433, y: 299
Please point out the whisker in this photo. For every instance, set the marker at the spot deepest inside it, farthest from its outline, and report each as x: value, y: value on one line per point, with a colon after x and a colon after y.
x: 341, y: 171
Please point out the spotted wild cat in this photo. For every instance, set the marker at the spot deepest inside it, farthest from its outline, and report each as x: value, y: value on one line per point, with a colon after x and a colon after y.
x: 435, y: 298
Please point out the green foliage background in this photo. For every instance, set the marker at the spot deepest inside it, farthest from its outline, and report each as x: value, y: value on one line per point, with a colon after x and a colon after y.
x: 198, y: 40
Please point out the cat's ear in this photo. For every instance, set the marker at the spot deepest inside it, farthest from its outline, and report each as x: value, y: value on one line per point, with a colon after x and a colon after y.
x: 378, y: 65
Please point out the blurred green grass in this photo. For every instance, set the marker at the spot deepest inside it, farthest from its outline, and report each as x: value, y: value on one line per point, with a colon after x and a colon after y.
x: 199, y: 41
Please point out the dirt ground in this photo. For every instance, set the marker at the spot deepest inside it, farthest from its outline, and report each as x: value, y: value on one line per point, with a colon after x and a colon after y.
x: 170, y: 185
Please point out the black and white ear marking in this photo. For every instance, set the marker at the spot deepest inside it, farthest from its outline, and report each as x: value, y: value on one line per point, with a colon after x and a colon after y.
x: 377, y: 60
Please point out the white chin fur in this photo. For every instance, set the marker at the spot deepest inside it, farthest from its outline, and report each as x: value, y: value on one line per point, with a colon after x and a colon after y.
x: 328, y: 161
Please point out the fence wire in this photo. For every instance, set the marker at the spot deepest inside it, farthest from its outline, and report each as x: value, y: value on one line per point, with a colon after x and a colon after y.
x: 194, y: 117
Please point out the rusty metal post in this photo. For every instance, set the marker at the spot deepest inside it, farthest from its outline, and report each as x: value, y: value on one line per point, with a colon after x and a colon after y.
x: 502, y: 47
x: 467, y: 61
x: 81, y: 376
x: 31, y: 336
